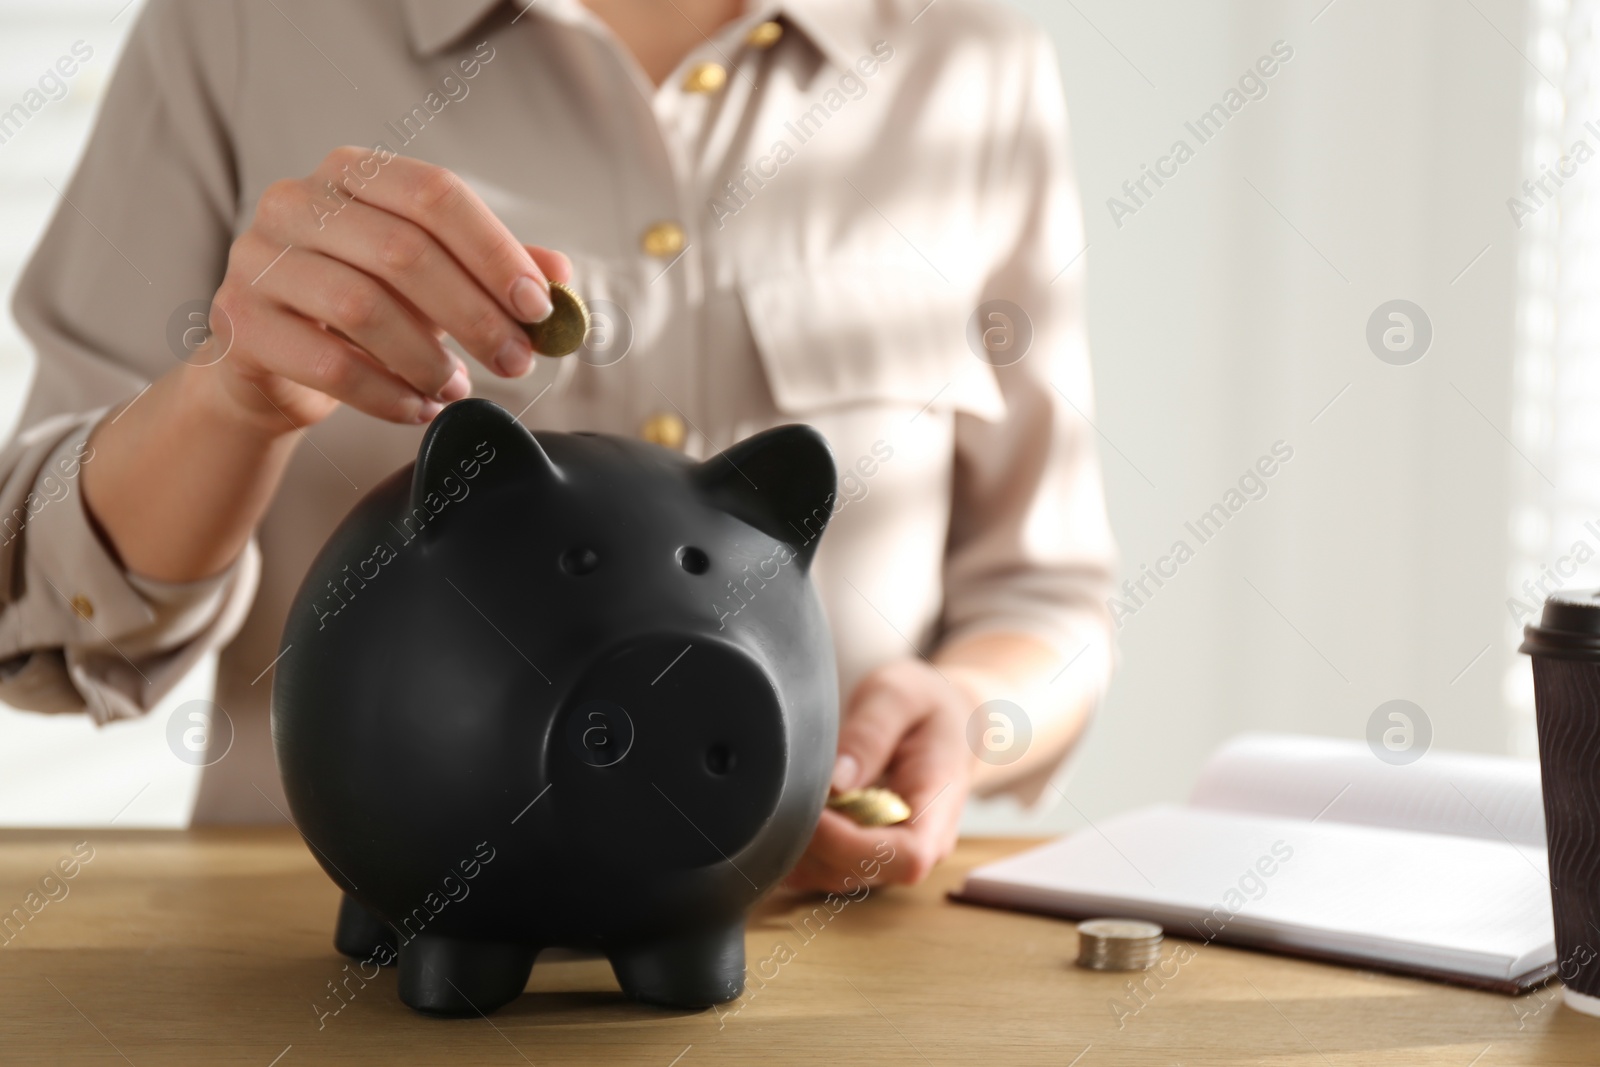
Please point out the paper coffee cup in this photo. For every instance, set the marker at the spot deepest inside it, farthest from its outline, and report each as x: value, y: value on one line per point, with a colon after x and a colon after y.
x: 1565, y: 646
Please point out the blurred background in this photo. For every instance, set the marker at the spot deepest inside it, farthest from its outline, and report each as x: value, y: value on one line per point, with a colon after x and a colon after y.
x: 1229, y: 310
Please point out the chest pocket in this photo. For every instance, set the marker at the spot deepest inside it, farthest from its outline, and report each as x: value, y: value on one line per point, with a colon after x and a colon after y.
x: 867, y: 334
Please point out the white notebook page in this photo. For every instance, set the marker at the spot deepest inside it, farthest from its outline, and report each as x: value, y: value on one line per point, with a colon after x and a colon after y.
x: 1491, y: 797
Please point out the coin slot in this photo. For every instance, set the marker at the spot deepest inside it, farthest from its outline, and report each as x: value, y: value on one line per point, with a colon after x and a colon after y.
x: 693, y: 560
x: 579, y: 561
x: 719, y: 759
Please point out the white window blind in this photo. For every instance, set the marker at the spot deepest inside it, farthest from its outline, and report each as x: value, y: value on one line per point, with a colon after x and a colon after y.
x: 1556, y: 410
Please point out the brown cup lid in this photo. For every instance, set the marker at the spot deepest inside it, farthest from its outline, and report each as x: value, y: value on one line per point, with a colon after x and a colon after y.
x: 1568, y: 628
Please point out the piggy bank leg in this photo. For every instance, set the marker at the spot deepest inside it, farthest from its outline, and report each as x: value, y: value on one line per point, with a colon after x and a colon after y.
x: 361, y: 935
x: 688, y: 971
x: 451, y: 976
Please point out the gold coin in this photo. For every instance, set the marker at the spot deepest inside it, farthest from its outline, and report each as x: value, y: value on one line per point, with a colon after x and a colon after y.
x: 563, y: 331
x: 871, y: 807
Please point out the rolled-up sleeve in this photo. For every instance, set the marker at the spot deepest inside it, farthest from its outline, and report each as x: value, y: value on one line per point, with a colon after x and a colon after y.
x: 1030, y: 548
x: 142, y: 229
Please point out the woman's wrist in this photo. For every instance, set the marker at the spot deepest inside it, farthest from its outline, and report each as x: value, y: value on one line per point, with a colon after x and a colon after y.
x: 1023, y: 722
x: 226, y: 405
x: 182, y: 475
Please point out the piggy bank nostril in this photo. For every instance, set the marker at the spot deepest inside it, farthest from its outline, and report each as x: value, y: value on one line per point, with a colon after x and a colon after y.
x: 579, y: 561
x: 719, y: 759
x: 693, y: 560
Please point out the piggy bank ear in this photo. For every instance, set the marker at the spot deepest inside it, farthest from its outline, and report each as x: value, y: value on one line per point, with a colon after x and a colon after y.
x: 475, y: 441
x: 780, y: 481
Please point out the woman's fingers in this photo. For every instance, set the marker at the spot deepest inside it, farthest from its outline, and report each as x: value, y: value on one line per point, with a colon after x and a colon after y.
x: 410, y: 261
x: 307, y: 354
x: 347, y: 282
x: 368, y: 314
x: 556, y: 266
x: 903, y: 853
x: 842, y: 855
x: 930, y: 769
x: 932, y: 766
x: 880, y: 711
x: 443, y: 205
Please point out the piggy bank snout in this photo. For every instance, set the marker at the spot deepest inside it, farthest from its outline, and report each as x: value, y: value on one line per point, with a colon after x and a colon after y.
x: 670, y: 752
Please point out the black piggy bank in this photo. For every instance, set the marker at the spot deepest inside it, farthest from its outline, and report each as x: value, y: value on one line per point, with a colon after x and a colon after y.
x: 562, y: 690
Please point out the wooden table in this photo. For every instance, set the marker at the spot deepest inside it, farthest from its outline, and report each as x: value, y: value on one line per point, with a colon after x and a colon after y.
x: 214, y: 947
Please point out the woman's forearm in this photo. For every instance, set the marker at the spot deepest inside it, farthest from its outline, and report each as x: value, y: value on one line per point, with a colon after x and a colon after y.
x: 180, y: 479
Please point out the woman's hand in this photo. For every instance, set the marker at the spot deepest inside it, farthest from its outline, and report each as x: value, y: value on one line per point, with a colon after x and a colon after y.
x: 906, y: 725
x: 346, y: 282
x: 341, y: 291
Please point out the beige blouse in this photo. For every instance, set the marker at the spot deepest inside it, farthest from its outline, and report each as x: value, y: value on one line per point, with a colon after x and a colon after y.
x: 855, y: 214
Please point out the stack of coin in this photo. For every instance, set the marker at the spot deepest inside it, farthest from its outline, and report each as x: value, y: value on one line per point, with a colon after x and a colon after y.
x: 1118, y: 944
x: 871, y: 807
x: 563, y: 330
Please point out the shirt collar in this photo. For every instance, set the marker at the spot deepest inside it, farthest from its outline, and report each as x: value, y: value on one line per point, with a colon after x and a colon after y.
x: 436, y: 24
x: 840, y: 29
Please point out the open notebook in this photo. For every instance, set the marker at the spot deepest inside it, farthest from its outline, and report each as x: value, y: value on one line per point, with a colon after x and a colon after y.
x: 1312, y: 847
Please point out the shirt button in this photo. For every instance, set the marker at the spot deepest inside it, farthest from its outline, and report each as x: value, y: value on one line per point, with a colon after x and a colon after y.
x: 663, y: 240
x: 663, y: 428
x: 765, y: 35
x: 83, y: 606
x: 705, y: 78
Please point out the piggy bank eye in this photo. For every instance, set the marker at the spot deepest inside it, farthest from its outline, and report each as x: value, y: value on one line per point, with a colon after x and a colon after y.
x: 693, y: 560
x: 579, y: 561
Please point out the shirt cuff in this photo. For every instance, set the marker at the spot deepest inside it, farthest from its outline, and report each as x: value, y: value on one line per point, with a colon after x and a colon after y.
x: 123, y: 639
x: 85, y: 592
